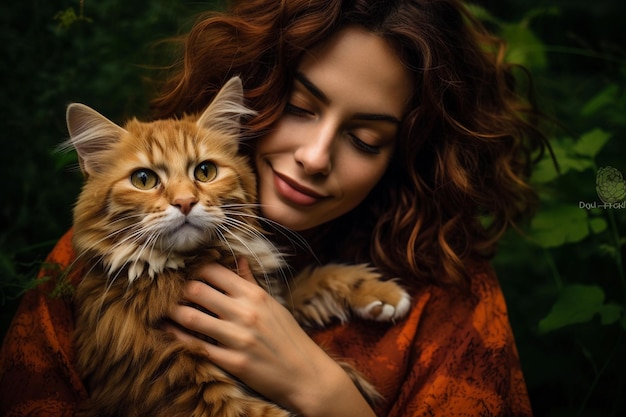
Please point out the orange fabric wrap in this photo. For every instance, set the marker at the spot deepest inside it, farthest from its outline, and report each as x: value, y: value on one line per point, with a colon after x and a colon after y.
x: 453, y: 355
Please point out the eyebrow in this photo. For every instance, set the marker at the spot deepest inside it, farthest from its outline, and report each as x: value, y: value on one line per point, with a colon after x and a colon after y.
x: 319, y: 94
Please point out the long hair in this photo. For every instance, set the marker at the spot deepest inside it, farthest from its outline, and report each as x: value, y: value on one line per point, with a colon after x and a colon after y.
x: 458, y: 178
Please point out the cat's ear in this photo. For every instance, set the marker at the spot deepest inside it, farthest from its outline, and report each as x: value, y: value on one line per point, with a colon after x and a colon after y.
x: 90, y: 134
x: 225, y: 111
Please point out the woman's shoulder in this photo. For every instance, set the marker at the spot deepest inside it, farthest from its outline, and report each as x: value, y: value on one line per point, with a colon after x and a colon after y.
x: 440, y: 309
x: 460, y: 332
x: 478, y: 303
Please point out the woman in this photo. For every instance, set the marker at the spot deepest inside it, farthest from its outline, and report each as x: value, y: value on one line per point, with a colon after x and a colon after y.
x: 388, y: 132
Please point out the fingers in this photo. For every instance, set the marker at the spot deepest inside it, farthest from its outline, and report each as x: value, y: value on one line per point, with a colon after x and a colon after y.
x: 220, y: 304
x: 226, y: 280
x: 199, y: 322
x: 243, y: 268
x: 214, y: 351
x: 217, y: 276
x: 220, y: 292
x: 180, y: 334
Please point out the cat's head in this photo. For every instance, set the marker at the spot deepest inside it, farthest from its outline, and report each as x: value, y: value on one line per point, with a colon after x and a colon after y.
x: 155, y: 191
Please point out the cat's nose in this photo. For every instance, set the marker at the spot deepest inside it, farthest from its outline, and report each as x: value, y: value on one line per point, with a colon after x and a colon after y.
x: 185, y: 204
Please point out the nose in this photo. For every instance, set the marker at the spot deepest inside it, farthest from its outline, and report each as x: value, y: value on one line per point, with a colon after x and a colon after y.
x: 315, y: 154
x: 185, y: 204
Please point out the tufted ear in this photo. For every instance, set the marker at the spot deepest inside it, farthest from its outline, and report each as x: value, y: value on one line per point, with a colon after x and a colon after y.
x: 225, y: 111
x: 91, y: 134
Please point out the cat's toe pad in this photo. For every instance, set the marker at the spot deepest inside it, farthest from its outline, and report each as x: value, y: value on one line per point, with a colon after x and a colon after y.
x: 381, y: 311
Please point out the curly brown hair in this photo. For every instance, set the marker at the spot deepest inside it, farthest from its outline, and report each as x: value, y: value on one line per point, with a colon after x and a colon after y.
x: 458, y: 179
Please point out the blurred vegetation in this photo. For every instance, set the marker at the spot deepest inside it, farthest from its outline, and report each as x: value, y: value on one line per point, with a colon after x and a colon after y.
x: 104, y: 53
x: 563, y: 276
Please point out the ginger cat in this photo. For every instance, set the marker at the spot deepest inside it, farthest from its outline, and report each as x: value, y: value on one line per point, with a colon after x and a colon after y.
x: 159, y: 198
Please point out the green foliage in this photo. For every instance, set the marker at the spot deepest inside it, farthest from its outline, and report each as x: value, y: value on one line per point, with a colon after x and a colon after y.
x: 68, y: 17
x: 105, y: 53
x: 560, y: 224
x: 563, y: 276
x: 580, y: 304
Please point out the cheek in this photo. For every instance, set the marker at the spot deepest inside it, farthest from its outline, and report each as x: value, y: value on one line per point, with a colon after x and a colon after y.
x: 282, y: 138
x: 361, y: 178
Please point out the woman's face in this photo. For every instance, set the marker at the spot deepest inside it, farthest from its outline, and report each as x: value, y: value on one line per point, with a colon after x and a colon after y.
x: 336, y: 137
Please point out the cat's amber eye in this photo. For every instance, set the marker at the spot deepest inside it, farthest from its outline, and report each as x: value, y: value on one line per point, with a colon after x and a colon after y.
x: 144, y: 179
x: 205, y: 171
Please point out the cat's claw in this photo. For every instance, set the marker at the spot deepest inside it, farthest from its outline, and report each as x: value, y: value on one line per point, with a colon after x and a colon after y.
x: 380, y: 311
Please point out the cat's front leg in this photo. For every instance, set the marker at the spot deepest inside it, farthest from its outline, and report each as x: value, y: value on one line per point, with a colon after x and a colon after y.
x: 334, y: 291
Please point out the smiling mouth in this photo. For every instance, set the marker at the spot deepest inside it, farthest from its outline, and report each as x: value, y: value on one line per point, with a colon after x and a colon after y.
x: 295, y: 193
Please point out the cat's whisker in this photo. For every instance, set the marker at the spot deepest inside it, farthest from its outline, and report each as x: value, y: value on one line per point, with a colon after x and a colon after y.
x: 233, y: 216
x: 291, y: 235
x: 134, y: 252
x: 224, y: 231
x: 113, y: 235
x: 264, y: 272
x: 153, y: 234
x: 243, y: 227
x: 130, y: 236
x: 255, y: 234
x: 222, y: 237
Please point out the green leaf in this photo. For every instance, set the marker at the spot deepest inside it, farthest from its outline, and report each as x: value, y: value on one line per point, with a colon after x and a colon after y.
x: 610, y: 313
x: 66, y: 17
x: 544, y: 172
x: 591, y: 142
x: 603, y: 99
x: 597, y: 225
x: 562, y: 149
x: 524, y: 47
x: 579, y: 304
x: 535, y: 12
x: 608, y: 250
x: 558, y: 225
x: 482, y: 14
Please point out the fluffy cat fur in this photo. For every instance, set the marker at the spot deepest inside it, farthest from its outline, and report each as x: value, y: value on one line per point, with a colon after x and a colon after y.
x: 158, y: 198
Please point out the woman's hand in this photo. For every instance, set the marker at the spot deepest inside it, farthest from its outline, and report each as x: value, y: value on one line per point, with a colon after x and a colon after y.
x: 260, y: 342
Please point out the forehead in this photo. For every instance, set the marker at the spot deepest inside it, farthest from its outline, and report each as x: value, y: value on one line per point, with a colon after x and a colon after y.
x: 172, y: 142
x: 357, y: 65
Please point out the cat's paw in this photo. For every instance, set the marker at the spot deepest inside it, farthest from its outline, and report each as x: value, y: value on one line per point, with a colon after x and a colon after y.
x: 380, y: 311
x: 387, y: 301
x: 335, y: 291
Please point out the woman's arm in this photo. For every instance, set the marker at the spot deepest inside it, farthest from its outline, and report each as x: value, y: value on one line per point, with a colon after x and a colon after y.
x: 260, y: 342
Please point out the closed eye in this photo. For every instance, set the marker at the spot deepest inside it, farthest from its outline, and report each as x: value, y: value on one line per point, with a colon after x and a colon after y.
x: 363, y: 146
x: 297, y: 111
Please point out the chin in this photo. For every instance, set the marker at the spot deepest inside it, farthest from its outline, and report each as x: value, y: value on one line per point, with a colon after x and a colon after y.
x: 184, y: 240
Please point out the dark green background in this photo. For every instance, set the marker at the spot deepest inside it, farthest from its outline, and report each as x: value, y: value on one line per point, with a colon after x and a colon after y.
x: 563, y: 278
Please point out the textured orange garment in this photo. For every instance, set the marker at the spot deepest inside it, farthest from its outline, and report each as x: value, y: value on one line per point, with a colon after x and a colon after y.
x: 454, y: 355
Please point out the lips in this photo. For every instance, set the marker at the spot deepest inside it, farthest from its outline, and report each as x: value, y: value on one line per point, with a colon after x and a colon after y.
x: 294, y: 192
